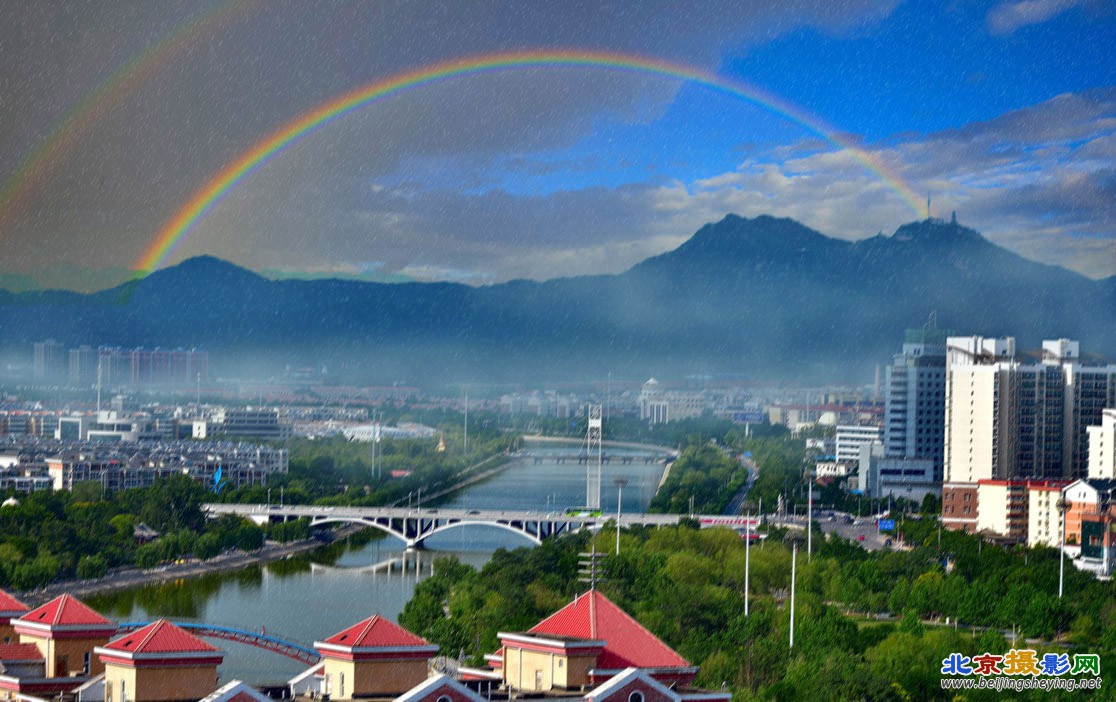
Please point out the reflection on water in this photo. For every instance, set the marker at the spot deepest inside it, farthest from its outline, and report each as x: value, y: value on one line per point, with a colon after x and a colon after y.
x: 308, y: 598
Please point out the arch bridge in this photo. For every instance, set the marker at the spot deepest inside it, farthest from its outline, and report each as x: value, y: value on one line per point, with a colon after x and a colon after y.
x: 414, y: 526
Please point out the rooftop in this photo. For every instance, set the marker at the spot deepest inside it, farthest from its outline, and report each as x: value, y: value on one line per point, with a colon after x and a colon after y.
x: 160, y: 637
x: 376, y: 632
x: 628, y: 643
x: 10, y: 605
x: 65, y: 610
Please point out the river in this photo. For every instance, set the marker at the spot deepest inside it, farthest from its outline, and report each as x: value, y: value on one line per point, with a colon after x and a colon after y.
x: 307, y: 599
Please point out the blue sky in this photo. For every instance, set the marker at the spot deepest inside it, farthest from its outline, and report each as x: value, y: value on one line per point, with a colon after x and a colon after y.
x: 1003, y: 110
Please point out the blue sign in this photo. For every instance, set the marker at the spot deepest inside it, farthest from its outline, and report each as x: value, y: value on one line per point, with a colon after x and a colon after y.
x: 886, y: 524
x: 748, y: 417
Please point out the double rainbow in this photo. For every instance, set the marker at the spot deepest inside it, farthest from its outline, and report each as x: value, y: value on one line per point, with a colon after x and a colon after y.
x: 176, y: 230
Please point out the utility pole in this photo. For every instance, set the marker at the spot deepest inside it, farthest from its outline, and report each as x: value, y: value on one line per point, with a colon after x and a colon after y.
x: 794, y: 561
x: 747, y: 559
x: 620, y: 483
x: 809, y: 516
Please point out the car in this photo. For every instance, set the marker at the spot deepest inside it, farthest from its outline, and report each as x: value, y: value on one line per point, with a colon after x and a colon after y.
x: 860, y: 537
x: 473, y: 511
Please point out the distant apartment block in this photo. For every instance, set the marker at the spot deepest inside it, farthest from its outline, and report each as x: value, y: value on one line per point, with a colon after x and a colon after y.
x: 85, y: 365
x: 252, y: 423
x: 49, y: 363
x: 236, y: 465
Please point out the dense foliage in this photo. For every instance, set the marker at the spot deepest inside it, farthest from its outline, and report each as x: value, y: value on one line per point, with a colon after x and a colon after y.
x: 701, y: 481
x: 57, y: 535
x: 687, y: 587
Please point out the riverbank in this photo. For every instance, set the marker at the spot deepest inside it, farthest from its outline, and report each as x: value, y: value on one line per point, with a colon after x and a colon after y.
x: 124, y: 578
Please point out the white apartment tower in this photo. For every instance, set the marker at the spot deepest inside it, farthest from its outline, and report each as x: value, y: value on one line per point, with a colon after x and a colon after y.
x: 1102, y: 447
x: 1007, y: 419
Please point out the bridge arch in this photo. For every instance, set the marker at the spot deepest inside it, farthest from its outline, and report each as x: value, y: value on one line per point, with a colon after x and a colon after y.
x: 499, y: 525
x: 319, y: 521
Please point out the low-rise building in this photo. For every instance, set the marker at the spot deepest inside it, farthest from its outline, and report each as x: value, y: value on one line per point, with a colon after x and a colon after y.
x: 1044, y: 515
x: 373, y: 658
x: 160, y: 662
x: 1089, y: 521
x: 66, y: 631
x: 10, y: 608
x: 584, y: 644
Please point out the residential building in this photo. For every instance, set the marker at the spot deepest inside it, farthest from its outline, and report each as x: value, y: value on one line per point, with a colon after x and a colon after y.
x: 83, y: 366
x: 1003, y: 509
x: 914, y: 424
x: 1090, y: 520
x: 49, y: 363
x: 1102, y: 446
x: 1044, y: 513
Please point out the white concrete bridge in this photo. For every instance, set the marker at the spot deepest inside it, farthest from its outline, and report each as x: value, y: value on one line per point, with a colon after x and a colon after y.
x: 414, y: 526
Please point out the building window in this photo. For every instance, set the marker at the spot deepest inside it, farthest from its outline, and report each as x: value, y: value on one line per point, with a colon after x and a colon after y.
x: 444, y: 698
x: 636, y: 696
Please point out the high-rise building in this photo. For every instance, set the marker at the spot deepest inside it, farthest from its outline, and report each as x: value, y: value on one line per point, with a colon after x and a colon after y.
x: 1007, y: 419
x: 1102, y: 446
x: 83, y: 366
x: 50, y: 361
x: 914, y: 423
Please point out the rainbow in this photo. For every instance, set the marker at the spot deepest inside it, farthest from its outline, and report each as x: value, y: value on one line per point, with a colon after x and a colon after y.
x: 205, y: 199
x: 45, y: 157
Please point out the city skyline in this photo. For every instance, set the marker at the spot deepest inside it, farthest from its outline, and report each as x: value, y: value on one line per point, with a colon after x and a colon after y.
x: 627, y: 130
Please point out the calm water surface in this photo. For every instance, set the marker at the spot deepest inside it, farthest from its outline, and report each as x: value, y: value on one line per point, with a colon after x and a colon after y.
x: 307, y: 599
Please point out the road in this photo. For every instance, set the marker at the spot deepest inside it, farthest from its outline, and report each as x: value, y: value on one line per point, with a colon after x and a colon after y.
x: 843, y: 525
x: 738, y: 499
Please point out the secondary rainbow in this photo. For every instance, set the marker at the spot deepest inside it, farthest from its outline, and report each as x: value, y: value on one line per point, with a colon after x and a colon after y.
x: 174, y: 232
x: 68, y: 131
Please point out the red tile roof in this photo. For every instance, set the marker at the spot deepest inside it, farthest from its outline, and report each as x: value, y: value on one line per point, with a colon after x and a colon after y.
x: 376, y: 632
x: 20, y: 652
x: 160, y: 637
x: 628, y: 644
x: 11, y: 604
x: 65, y: 611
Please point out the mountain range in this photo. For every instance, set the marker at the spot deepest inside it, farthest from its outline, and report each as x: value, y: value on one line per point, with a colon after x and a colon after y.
x: 761, y: 298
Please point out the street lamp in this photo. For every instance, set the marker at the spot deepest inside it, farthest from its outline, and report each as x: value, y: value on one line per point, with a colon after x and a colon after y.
x: 747, y: 558
x: 1062, y: 506
x: 620, y: 483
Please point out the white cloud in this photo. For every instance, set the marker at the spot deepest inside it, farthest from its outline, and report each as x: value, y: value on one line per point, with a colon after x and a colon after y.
x: 1008, y: 16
